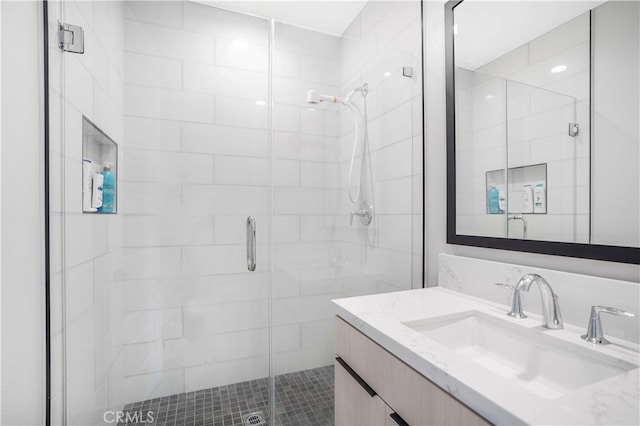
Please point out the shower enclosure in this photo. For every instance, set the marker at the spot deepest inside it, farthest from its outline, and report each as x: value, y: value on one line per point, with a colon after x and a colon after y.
x: 155, y: 309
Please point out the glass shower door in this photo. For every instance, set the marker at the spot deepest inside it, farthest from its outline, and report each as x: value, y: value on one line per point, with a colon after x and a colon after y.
x: 347, y: 221
x: 162, y: 316
x: 548, y: 166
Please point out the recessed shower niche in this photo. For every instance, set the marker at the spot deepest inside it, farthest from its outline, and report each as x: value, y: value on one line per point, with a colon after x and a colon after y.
x: 526, y: 189
x: 99, y: 170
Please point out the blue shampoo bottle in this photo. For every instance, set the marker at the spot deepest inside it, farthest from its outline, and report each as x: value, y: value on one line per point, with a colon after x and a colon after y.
x: 108, y: 189
x: 493, y: 200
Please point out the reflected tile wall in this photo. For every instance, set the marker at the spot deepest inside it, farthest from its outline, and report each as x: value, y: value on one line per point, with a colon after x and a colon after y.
x: 529, y: 113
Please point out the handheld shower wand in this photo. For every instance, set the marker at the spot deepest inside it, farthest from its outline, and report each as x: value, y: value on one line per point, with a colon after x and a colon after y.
x: 313, y: 97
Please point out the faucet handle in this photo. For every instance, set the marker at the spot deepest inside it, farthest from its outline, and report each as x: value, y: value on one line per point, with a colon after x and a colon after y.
x: 361, y: 213
x: 365, y: 212
x: 594, y: 330
x: 613, y: 311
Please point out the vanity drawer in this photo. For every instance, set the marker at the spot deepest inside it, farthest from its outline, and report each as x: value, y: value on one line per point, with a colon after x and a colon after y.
x: 411, y: 395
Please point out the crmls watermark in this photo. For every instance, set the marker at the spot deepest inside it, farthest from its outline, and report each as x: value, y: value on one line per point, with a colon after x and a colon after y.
x: 128, y: 417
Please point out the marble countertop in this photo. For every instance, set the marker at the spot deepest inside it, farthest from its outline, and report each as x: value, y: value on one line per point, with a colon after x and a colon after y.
x: 612, y: 401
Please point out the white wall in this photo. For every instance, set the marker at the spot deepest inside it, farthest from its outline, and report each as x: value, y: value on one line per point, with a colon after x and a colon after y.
x: 22, y: 216
x: 0, y: 219
x: 435, y: 192
x: 615, y: 203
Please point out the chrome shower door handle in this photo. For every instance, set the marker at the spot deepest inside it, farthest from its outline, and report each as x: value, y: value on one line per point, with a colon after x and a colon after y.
x: 251, y: 243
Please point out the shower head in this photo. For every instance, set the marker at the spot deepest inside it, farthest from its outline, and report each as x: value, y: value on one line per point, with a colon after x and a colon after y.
x: 313, y: 97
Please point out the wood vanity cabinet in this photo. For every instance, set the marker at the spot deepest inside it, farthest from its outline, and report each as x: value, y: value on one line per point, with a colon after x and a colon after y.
x: 401, y: 395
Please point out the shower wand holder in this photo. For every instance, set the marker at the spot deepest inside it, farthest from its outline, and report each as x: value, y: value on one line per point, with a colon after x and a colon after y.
x: 365, y: 212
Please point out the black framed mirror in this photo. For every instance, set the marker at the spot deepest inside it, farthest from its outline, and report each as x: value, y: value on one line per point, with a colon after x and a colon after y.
x: 543, y: 191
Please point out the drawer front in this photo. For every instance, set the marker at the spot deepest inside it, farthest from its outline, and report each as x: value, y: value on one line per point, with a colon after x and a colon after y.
x: 411, y: 395
x: 353, y: 405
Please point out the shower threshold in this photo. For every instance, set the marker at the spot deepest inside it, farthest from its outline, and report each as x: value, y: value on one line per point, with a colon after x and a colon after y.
x: 302, y: 398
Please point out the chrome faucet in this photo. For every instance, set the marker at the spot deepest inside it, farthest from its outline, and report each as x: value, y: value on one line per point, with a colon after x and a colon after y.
x: 552, y: 318
x: 365, y: 212
x: 594, y: 330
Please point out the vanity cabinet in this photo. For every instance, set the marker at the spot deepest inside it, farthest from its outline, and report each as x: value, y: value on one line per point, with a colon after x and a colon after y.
x: 397, y: 388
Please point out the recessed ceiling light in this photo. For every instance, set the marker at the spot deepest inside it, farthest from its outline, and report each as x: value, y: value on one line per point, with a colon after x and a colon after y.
x: 261, y: 103
x: 558, y: 68
x: 455, y: 29
x: 489, y: 97
x: 386, y: 74
x: 239, y: 44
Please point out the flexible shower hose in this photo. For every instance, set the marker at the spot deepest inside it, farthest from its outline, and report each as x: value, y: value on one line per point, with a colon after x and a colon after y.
x: 356, y: 112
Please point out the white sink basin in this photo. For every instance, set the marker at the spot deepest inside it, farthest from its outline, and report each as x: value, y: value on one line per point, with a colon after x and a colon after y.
x: 537, y: 362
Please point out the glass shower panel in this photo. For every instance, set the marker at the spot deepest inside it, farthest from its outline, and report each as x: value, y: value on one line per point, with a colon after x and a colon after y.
x: 159, y: 302
x: 89, y: 370
x: 547, y: 169
x: 56, y: 215
x: 323, y: 247
x: 480, y: 153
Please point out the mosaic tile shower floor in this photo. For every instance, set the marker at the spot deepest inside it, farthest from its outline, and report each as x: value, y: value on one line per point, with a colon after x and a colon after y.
x: 302, y: 398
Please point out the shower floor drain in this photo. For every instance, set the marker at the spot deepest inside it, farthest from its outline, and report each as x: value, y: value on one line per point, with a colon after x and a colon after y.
x: 252, y: 419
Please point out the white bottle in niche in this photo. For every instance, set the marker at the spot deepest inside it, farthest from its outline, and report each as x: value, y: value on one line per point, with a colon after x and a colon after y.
x: 527, y: 199
x: 87, y: 185
x: 502, y: 201
x: 96, y: 200
x: 539, y: 199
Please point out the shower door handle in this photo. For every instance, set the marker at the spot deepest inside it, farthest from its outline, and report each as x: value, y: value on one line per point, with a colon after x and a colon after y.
x: 251, y: 243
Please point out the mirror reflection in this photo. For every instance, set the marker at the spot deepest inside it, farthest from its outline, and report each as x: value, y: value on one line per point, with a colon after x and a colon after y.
x: 546, y: 121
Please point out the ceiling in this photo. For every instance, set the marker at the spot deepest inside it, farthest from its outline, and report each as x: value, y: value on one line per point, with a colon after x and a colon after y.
x: 332, y: 17
x: 486, y: 30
